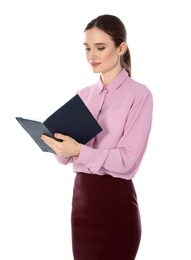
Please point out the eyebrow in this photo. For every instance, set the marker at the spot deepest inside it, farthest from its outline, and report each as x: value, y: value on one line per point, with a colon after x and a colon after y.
x: 96, y: 44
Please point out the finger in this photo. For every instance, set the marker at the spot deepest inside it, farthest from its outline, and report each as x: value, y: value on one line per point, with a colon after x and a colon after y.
x: 46, y: 138
x: 49, y: 141
x: 60, y: 136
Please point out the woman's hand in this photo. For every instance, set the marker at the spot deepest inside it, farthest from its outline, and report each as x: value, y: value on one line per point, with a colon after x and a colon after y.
x: 68, y: 147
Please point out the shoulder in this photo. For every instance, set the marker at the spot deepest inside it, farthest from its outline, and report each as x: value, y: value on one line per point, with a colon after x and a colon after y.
x: 133, y: 90
x: 137, y: 86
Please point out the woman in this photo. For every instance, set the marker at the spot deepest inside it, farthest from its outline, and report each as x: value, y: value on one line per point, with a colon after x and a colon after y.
x: 105, y: 215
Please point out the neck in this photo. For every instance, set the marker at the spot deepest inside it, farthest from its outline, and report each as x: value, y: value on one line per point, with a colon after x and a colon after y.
x: 108, y: 77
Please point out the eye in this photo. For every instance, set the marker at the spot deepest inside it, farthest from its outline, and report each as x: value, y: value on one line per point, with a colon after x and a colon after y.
x: 87, y: 49
x: 101, y: 48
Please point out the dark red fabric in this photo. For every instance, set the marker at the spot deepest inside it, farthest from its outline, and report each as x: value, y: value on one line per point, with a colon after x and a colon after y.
x: 105, y: 218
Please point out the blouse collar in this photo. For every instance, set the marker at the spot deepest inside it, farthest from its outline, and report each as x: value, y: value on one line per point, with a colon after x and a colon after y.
x: 115, y: 83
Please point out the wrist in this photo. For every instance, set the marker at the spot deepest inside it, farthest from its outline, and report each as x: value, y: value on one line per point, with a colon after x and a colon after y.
x: 78, y: 148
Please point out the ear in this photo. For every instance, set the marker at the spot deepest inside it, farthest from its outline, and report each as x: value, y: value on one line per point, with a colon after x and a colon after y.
x: 122, y: 48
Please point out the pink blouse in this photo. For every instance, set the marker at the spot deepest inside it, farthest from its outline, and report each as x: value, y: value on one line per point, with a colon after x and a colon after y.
x: 124, y: 111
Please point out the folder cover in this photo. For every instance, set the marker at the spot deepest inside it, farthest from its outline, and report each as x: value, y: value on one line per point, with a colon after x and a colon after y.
x: 73, y: 119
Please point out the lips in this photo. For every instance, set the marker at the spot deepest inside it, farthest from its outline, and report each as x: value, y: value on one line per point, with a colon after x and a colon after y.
x: 95, y: 64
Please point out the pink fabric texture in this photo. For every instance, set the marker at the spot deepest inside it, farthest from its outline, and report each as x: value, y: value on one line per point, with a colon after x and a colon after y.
x: 124, y: 111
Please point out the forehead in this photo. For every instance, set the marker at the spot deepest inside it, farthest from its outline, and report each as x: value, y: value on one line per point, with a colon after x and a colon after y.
x: 95, y: 35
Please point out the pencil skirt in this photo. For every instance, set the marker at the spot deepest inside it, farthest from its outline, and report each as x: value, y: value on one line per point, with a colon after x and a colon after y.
x: 105, y: 218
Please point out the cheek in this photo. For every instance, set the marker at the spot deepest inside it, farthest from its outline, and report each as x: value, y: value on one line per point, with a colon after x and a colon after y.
x: 111, y: 56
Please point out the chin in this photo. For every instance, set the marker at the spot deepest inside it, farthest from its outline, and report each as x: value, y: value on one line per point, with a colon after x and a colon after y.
x: 96, y: 70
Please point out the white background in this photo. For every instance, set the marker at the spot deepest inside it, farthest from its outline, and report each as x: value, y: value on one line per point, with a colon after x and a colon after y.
x: 42, y: 64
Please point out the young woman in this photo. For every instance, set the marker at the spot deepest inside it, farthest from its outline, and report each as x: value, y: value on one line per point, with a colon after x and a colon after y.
x: 105, y: 215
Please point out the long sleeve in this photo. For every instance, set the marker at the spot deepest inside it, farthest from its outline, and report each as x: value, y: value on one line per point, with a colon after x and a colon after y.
x: 124, y: 111
x: 125, y: 158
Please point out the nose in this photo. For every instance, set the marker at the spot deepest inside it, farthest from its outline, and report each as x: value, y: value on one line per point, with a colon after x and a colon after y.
x: 92, y: 55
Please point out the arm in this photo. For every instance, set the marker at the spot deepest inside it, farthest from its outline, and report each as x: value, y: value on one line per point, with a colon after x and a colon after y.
x: 125, y: 158
x: 130, y: 148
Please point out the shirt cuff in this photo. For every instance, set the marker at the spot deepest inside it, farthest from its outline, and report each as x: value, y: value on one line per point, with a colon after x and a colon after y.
x: 85, y: 155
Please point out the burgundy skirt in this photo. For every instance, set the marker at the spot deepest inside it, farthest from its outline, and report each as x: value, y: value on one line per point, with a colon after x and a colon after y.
x: 105, y: 218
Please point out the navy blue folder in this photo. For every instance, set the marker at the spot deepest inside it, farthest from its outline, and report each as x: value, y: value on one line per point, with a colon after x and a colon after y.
x: 73, y: 119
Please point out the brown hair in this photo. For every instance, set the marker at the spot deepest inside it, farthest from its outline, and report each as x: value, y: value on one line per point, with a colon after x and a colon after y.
x: 114, y: 27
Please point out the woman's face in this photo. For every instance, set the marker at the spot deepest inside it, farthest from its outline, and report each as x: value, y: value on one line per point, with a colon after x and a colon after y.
x: 101, y: 52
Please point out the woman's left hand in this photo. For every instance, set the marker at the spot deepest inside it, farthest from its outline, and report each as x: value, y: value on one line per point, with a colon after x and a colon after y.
x: 67, y: 147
